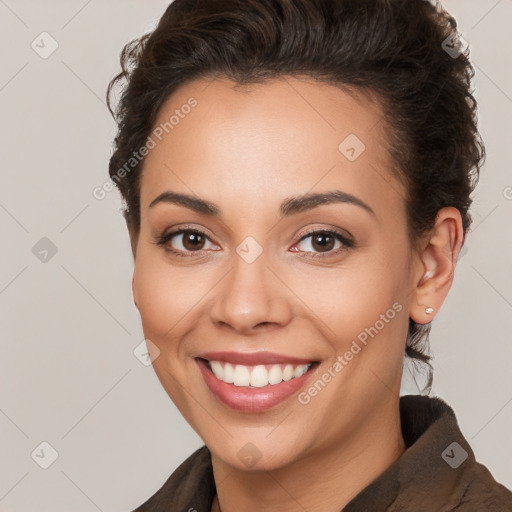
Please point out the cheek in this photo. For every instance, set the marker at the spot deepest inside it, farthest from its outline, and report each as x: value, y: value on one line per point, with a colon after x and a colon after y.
x: 351, y: 299
x: 360, y: 309
x: 166, y: 297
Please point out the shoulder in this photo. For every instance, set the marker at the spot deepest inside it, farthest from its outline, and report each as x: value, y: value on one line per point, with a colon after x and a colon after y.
x: 443, y: 457
x: 484, y: 492
x: 191, y: 486
x: 437, y: 471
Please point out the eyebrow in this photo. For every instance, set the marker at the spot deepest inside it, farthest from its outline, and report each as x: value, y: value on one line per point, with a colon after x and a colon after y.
x: 290, y: 206
x: 191, y: 202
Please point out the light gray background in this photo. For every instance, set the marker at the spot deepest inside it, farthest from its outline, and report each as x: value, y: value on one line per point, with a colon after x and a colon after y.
x: 69, y: 327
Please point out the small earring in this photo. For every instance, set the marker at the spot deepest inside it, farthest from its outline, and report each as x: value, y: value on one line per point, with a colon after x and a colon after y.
x: 428, y: 311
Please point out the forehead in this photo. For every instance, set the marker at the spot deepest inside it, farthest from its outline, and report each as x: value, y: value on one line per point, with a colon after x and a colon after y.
x: 259, y: 143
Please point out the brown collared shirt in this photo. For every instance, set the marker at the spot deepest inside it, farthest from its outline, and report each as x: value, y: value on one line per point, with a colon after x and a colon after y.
x: 436, y: 473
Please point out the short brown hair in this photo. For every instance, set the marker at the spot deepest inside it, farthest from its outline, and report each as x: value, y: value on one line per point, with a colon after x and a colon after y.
x: 394, y: 49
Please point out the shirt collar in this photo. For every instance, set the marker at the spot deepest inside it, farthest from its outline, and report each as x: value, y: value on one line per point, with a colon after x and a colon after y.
x: 431, y: 474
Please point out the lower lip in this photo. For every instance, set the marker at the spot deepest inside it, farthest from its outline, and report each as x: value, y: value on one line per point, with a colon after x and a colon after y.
x: 251, y: 399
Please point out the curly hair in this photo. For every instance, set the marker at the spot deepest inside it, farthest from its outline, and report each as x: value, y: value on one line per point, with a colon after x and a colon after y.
x: 395, y: 50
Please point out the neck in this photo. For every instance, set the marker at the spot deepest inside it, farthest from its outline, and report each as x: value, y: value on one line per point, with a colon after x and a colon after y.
x: 323, y: 482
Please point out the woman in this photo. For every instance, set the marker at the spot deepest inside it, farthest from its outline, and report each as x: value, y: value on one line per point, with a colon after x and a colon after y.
x: 297, y: 179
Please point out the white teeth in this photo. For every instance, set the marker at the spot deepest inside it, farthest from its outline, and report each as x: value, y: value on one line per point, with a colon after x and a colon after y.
x: 288, y: 372
x: 229, y: 373
x: 256, y: 376
x: 259, y: 376
x: 217, y: 369
x: 299, y: 370
x: 275, y: 375
x: 242, y: 376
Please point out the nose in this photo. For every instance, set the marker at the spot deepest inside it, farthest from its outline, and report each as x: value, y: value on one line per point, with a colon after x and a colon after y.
x: 251, y: 299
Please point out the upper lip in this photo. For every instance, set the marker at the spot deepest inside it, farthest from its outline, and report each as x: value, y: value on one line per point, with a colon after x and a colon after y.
x: 253, y: 358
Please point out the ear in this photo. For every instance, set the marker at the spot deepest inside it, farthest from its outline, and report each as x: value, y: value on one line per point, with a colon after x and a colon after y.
x: 437, y: 260
x: 134, y: 238
x: 133, y: 291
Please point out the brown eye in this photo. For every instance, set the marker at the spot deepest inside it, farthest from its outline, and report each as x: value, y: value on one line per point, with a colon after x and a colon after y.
x: 319, y: 241
x: 322, y: 242
x: 186, y: 242
x: 328, y: 242
x: 193, y: 241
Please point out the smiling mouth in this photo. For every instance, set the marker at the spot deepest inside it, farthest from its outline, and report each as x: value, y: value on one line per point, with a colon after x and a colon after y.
x: 256, y: 376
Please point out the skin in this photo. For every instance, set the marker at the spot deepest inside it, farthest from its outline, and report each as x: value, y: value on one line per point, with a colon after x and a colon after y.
x: 247, y: 150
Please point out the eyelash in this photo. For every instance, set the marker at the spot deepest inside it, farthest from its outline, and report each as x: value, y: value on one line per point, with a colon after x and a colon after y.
x: 347, y: 243
x: 163, y: 239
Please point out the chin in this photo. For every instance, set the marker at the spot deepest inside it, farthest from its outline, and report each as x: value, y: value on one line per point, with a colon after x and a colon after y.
x: 257, y: 452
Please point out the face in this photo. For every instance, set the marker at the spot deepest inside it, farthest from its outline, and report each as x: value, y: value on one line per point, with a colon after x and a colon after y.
x: 273, y: 242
